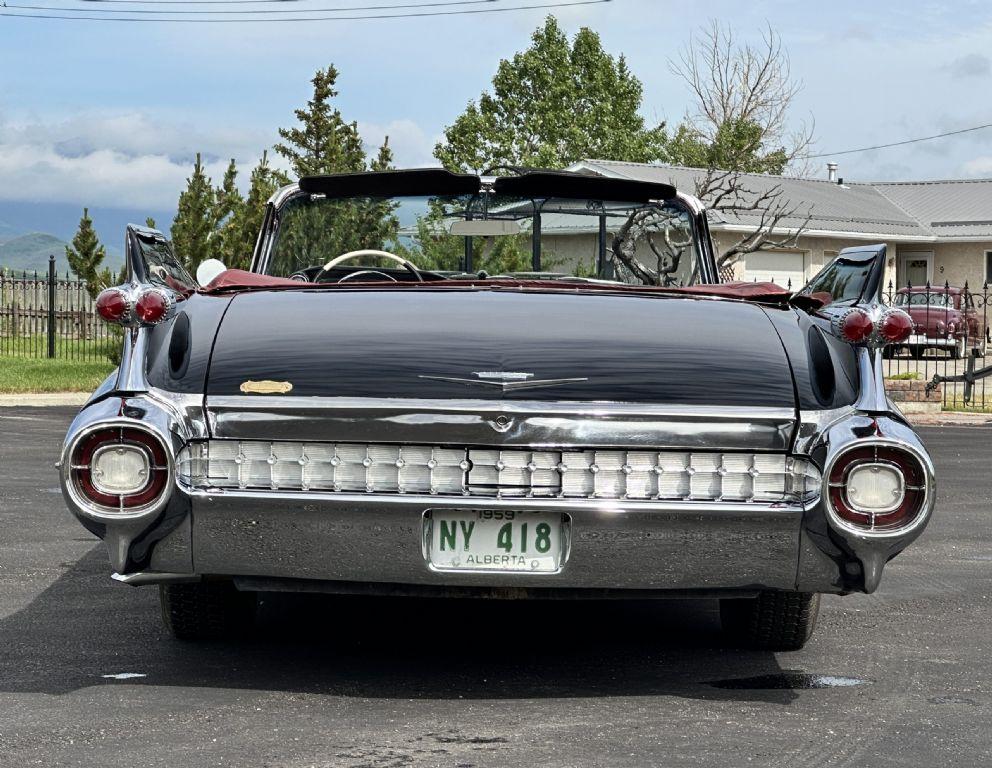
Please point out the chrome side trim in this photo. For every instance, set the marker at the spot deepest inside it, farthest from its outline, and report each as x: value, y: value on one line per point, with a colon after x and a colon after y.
x: 872, y: 397
x: 153, y: 577
x: 190, y: 421
x: 131, y: 374
x: 813, y: 426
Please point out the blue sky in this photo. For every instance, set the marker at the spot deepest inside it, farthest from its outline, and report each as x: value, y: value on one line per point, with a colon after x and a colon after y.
x: 110, y: 114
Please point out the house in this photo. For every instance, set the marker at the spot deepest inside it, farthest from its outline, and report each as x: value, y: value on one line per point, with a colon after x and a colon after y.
x: 935, y: 231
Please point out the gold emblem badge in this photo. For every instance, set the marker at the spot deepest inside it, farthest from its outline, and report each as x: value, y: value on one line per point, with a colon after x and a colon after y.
x: 266, y: 387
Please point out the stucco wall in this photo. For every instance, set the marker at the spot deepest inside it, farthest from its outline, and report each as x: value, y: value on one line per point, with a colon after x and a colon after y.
x: 957, y: 263
x: 817, y: 251
x: 953, y: 262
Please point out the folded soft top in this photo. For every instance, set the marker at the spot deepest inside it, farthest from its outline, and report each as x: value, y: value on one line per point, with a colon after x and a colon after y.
x: 236, y: 280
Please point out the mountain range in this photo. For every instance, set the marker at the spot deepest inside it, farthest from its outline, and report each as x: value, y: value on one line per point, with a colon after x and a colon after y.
x: 30, y: 232
x: 30, y: 253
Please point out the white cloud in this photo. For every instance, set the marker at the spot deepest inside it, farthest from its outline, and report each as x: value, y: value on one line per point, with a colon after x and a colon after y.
x: 136, y: 159
x: 102, y: 177
x: 970, y: 65
x: 412, y: 146
x: 978, y: 166
x: 114, y: 159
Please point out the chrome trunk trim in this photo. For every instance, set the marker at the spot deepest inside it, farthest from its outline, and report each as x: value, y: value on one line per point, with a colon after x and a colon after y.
x: 516, y: 423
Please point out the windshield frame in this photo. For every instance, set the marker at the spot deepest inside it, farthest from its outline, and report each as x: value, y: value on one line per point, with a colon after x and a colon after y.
x: 705, y: 267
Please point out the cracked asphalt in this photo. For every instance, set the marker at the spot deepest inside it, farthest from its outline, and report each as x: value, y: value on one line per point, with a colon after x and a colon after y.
x: 88, y: 676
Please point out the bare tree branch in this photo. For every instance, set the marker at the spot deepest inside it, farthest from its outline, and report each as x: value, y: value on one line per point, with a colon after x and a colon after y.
x: 749, y: 85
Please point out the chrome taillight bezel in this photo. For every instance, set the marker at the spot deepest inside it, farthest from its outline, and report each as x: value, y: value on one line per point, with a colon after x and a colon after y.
x: 871, y: 530
x: 101, y: 506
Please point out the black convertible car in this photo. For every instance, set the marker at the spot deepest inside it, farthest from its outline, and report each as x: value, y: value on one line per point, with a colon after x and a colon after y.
x: 531, y: 386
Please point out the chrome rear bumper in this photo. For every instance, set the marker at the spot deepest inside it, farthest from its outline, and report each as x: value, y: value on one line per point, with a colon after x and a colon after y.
x: 613, y: 544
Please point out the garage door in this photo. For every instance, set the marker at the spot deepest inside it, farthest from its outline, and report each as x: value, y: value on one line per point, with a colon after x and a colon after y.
x: 778, y: 267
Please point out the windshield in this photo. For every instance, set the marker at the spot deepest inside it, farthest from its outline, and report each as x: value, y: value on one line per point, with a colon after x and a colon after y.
x: 484, y: 235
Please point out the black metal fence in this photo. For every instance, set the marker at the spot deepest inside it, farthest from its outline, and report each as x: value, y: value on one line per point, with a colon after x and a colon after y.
x: 48, y: 315
x: 950, y: 341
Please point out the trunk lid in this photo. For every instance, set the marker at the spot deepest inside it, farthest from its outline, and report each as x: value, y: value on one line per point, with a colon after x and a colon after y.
x: 500, y: 345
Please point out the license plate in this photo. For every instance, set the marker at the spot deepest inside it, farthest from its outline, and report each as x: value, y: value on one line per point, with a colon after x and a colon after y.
x: 494, y: 540
x: 917, y: 338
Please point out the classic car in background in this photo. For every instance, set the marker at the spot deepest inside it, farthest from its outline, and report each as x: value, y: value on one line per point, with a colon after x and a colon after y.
x: 417, y: 391
x: 945, y: 318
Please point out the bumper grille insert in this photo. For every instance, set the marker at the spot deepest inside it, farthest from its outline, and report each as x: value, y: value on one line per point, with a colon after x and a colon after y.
x: 497, y: 473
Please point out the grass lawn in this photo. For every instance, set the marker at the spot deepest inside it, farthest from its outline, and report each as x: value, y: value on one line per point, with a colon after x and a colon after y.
x: 25, y: 374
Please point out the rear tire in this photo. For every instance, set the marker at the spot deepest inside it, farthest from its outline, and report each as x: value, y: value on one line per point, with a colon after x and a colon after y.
x: 772, y: 621
x: 206, y: 610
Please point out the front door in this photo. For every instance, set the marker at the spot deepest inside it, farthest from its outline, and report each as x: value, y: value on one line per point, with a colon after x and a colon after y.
x: 915, y: 268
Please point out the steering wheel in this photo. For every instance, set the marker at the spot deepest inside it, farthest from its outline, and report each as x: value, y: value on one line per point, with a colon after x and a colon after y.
x: 406, y: 264
x: 364, y: 273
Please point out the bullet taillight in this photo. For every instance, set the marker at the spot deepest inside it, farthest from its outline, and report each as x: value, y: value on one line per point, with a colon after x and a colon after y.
x: 113, y: 305
x: 894, y: 326
x: 152, y: 306
x: 854, y: 326
x: 131, y: 305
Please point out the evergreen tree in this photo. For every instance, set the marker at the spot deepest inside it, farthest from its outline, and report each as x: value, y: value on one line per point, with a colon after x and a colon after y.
x: 240, y: 231
x: 323, y: 142
x: 85, y: 257
x: 551, y: 105
x: 150, y: 222
x: 194, y: 221
x: 228, y: 203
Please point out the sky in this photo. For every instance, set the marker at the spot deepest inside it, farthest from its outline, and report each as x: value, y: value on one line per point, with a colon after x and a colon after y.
x: 111, y: 114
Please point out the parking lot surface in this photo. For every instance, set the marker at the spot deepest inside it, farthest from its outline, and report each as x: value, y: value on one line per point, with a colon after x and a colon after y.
x: 88, y: 676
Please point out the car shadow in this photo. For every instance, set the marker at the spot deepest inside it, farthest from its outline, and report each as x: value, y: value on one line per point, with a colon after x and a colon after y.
x: 85, y: 629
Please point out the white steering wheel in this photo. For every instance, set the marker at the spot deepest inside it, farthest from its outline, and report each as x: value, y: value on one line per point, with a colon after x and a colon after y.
x: 405, y: 263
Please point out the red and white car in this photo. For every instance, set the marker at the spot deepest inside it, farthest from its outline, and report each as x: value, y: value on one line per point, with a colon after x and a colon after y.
x: 943, y: 318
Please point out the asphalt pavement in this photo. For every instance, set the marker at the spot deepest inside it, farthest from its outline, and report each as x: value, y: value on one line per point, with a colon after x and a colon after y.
x: 88, y: 676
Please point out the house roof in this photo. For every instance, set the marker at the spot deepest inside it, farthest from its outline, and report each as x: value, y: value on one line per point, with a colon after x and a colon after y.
x: 950, y: 209
x: 916, y: 211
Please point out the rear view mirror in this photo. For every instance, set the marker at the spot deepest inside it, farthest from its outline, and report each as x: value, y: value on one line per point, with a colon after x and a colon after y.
x: 484, y: 227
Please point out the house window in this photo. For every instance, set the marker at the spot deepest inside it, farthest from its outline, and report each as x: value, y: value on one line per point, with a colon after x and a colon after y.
x: 988, y: 266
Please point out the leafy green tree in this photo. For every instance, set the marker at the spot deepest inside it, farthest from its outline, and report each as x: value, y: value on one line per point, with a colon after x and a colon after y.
x: 195, y: 220
x: 85, y: 256
x: 735, y: 145
x: 150, y: 222
x: 551, y: 105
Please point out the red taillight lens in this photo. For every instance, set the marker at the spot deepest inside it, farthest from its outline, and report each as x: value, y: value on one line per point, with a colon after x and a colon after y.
x: 855, y: 326
x: 112, y: 305
x: 895, y: 326
x: 120, y: 468
x: 151, y: 306
x: 878, y: 487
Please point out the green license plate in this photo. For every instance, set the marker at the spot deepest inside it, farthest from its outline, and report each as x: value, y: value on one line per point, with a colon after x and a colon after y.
x: 494, y: 540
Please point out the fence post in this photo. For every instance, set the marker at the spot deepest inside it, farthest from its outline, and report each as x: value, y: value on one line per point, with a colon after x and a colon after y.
x: 51, y: 306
